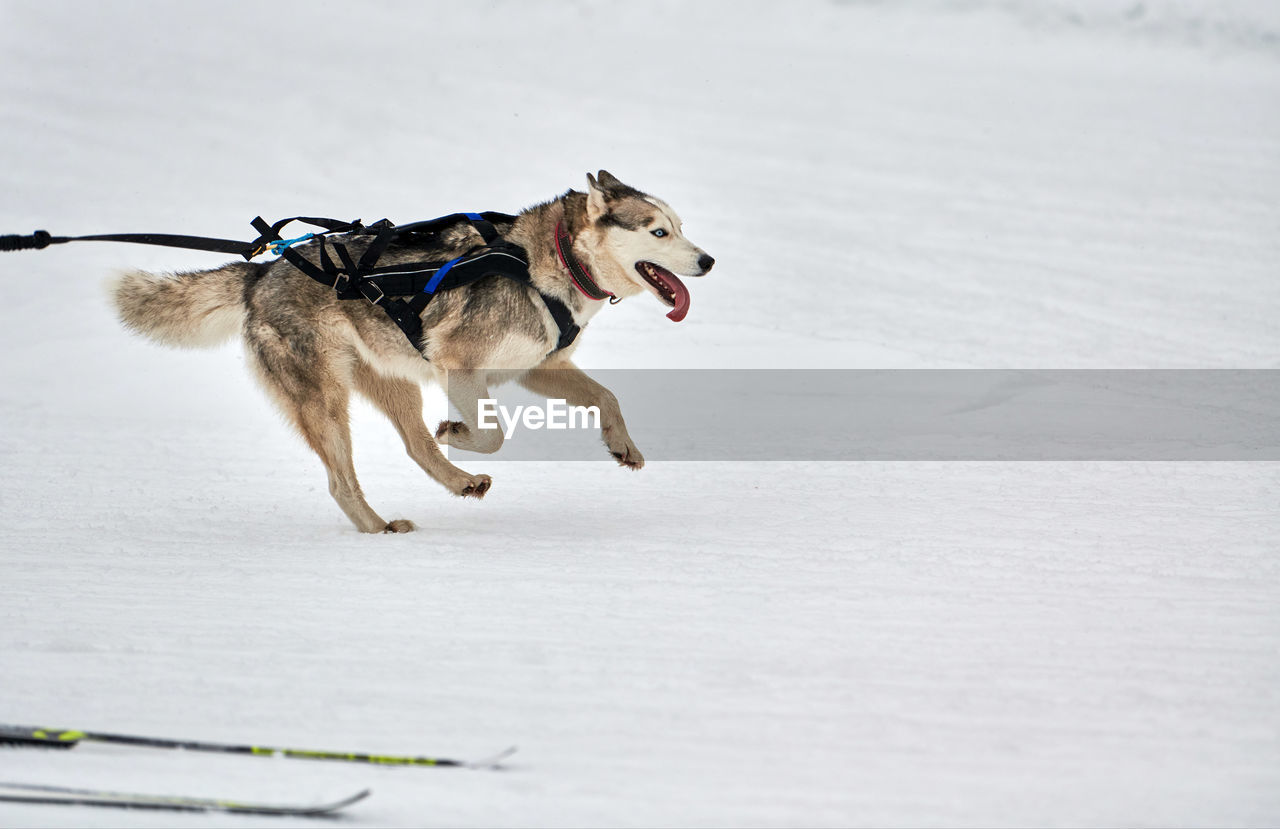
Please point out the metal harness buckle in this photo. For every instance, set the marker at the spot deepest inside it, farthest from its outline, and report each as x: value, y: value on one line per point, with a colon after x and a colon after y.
x: 381, y: 294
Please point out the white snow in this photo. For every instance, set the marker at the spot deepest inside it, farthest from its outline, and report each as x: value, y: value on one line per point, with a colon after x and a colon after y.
x: 1072, y: 184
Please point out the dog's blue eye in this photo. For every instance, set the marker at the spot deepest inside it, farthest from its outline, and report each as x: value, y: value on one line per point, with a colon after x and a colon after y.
x: 659, y: 232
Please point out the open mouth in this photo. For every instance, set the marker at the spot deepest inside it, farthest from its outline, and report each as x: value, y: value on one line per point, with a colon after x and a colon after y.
x: 668, y: 287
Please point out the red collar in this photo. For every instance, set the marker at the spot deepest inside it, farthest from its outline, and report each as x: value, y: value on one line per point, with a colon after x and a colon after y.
x: 578, y: 272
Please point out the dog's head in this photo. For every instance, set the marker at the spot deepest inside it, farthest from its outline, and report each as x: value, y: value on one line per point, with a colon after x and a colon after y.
x: 640, y: 237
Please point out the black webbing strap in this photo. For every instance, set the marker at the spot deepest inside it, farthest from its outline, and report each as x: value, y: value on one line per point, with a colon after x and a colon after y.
x: 42, y: 239
x: 346, y: 280
x: 326, y: 273
x: 330, y: 277
x: 386, y: 232
x: 406, y: 314
x: 489, y: 217
x: 564, y: 320
x: 412, y: 280
x: 484, y: 227
x: 266, y: 233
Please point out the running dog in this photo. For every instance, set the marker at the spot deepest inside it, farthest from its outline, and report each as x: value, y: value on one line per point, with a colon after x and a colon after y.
x: 310, y: 350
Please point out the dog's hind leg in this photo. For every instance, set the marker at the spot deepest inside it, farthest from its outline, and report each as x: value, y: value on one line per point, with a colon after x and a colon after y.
x: 315, y: 397
x: 325, y: 426
x: 401, y: 402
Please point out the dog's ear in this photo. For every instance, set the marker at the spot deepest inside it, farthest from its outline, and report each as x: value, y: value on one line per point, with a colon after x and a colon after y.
x: 596, y: 198
x: 608, y: 181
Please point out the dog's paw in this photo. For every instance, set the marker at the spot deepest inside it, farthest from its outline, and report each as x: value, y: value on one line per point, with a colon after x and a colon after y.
x: 452, y: 432
x: 478, y: 487
x: 631, y: 459
x: 471, y: 486
x: 400, y: 525
x: 624, y: 451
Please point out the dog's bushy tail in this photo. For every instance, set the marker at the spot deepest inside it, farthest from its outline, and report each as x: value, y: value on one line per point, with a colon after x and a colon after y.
x: 199, y: 309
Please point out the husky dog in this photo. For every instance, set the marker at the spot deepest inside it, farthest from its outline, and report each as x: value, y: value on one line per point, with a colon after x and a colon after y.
x: 310, y: 349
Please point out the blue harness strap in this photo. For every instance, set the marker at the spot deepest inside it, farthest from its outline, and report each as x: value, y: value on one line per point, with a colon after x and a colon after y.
x: 434, y: 283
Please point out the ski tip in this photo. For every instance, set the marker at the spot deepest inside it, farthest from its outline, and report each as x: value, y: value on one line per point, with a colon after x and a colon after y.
x: 342, y: 804
x: 31, y: 742
x: 22, y: 735
x: 494, y: 762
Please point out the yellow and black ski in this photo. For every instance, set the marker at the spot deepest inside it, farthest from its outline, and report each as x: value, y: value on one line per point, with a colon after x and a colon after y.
x: 21, y: 735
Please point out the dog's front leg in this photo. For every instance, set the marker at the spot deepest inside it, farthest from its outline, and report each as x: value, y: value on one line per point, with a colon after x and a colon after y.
x: 465, y: 390
x: 401, y: 402
x: 559, y: 378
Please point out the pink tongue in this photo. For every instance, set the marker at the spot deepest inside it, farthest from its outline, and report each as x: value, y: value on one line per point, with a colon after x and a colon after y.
x: 681, y: 294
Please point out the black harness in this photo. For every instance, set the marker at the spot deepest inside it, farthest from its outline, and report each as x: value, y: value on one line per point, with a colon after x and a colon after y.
x: 402, y: 291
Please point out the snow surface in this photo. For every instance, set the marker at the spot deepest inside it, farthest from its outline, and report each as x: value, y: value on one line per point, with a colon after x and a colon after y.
x: 1070, y: 184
